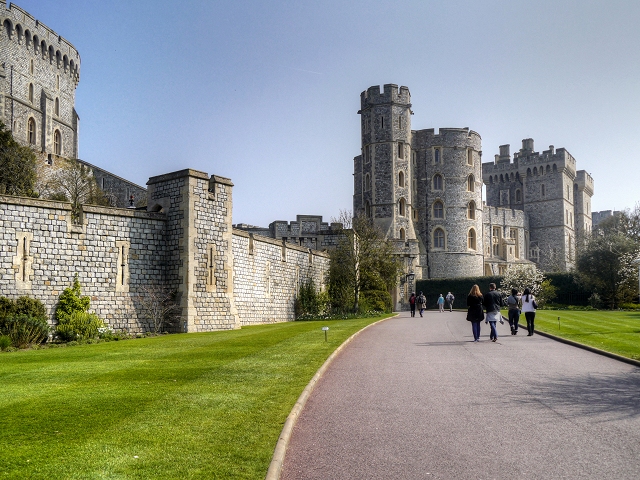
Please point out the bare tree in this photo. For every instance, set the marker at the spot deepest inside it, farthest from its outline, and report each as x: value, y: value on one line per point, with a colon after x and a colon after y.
x: 158, y: 302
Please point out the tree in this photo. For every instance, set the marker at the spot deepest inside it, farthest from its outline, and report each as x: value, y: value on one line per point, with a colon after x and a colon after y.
x: 521, y: 276
x: 605, y: 266
x: 17, y: 166
x: 363, y: 261
x: 158, y: 302
x: 74, y: 182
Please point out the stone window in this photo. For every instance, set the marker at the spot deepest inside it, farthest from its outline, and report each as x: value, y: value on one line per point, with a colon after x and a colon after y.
x: 23, y: 261
x: 31, y: 131
x: 57, y: 143
x: 367, y: 209
x: 413, y: 159
x: 471, y: 183
x: 438, y: 209
x: 542, y: 190
x: 57, y: 82
x: 469, y: 157
x: 400, y: 150
x: 400, y: 122
x: 367, y: 182
x: 555, y: 168
x: 568, y: 193
x: 402, y: 207
x: 381, y: 121
x: 367, y: 125
x: 437, y: 182
x: 414, y: 213
x: 31, y: 93
x: 402, y: 234
x: 518, y: 196
x: 267, y: 279
x: 122, y: 269
x: 491, y: 180
x: 438, y: 238
x: 548, y: 169
x: 471, y: 239
x: 56, y: 107
x: 501, y: 178
x: 436, y: 155
x: 401, y: 179
x: 471, y: 210
x: 513, y: 234
x: 31, y: 66
x: 535, y: 170
x: 528, y: 172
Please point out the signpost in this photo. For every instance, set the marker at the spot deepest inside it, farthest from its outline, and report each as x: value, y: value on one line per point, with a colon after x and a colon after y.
x: 325, y: 329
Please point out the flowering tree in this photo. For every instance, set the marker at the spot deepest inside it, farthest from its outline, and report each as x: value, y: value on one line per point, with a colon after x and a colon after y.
x: 521, y: 276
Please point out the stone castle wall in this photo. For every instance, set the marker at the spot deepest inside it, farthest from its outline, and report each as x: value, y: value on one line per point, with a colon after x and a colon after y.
x: 224, y: 278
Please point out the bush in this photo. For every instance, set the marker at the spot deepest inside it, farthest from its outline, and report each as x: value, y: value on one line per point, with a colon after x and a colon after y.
x: 630, y: 306
x: 5, y: 342
x: 307, y: 301
x: 71, y: 301
x: 31, y: 307
x: 24, y: 330
x: 595, y: 301
x: 375, y: 301
x: 7, y: 308
x: 78, y: 326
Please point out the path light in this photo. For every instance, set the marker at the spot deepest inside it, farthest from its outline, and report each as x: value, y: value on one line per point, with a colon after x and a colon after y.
x: 325, y: 330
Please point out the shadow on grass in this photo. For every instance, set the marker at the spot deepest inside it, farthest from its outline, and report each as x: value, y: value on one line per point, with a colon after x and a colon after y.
x: 591, y: 395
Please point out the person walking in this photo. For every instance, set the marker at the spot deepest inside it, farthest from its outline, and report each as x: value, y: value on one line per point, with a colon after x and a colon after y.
x: 529, y: 307
x: 412, y: 304
x: 450, y: 298
x: 513, y: 302
x: 422, y: 303
x: 475, y: 314
x: 441, y: 303
x: 492, y: 302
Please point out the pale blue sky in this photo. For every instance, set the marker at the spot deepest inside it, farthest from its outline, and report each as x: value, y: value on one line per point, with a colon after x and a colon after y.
x: 266, y: 93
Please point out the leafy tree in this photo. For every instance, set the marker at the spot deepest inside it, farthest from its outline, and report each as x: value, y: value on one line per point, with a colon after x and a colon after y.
x: 17, y: 166
x: 521, y: 276
x: 605, y: 265
x: 362, y: 261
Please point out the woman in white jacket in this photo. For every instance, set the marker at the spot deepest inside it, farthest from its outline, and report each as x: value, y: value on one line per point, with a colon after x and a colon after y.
x: 529, y: 306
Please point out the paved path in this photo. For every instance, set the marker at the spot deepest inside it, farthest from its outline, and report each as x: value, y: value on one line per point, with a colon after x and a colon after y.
x: 415, y: 398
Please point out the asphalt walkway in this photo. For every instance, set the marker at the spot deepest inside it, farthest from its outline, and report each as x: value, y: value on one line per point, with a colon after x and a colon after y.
x: 414, y: 398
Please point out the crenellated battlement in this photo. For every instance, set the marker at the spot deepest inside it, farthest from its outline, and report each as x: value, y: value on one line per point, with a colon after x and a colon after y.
x: 584, y: 181
x: 390, y: 94
x: 527, y: 158
x: 21, y: 27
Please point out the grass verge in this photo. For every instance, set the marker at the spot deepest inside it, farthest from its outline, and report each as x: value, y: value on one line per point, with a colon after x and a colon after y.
x: 612, y: 331
x: 208, y: 405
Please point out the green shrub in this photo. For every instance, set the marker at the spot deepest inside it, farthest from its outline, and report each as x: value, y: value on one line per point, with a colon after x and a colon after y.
x: 24, y: 330
x: 595, y: 301
x: 307, y: 301
x: 78, y: 326
x: 7, y: 308
x: 375, y: 301
x: 5, y: 342
x: 630, y: 306
x: 71, y: 301
x: 31, y: 307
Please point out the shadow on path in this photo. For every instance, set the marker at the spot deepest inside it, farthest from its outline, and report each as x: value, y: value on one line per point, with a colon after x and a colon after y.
x: 590, y: 395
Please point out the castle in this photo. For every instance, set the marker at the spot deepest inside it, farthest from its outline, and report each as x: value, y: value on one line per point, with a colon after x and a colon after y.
x: 424, y: 190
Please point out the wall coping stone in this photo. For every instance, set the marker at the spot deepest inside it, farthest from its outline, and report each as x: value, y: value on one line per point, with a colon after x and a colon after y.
x: 274, y: 241
x: 187, y: 172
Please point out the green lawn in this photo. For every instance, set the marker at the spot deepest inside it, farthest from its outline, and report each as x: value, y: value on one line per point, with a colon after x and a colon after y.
x: 613, y: 331
x: 207, y: 405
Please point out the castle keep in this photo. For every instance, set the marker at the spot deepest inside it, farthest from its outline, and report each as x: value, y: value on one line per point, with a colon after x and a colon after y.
x: 424, y: 190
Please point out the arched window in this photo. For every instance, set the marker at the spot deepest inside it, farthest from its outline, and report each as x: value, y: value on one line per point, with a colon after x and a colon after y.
x: 501, y: 178
x: 469, y: 157
x: 471, y: 183
x: 400, y: 150
x: 402, y: 207
x: 57, y: 143
x: 438, y: 238
x: 471, y: 210
x: 367, y: 209
x: 437, y: 182
x: 438, y: 209
x: 518, y: 196
x: 401, y: 179
x: 548, y: 169
x: 56, y: 107
x: 31, y: 131
x: 535, y: 170
x: 471, y: 239
x: 367, y: 182
x: 528, y: 172
x: 402, y: 235
x: 8, y: 28
x: 31, y: 66
x: 491, y: 179
x: 542, y: 190
x: 31, y: 93
x: 436, y: 155
x: 555, y: 168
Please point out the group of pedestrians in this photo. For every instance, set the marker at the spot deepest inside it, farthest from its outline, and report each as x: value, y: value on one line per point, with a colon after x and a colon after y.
x: 419, y: 301
x: 490, y: 304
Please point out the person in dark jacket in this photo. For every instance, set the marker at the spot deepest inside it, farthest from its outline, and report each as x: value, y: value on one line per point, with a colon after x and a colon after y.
x: 475, y: 314
x: 412, y: 304
x: 492, y: 302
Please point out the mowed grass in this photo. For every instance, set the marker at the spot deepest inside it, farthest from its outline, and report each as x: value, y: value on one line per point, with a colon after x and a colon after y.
x: 208, y: 405
x: 613, y: 331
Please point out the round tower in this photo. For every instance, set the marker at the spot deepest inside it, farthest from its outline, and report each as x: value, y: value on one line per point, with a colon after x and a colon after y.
x: 449, y: 204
